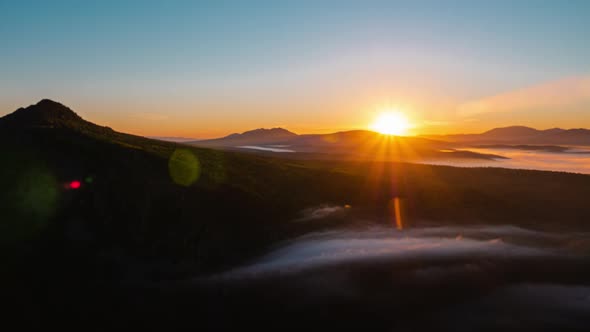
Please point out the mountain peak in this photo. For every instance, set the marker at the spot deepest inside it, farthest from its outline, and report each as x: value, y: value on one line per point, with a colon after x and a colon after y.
x: 46, y: 113
x: 512, y: 131
x: 273, y: 131
x: 49, y: 103
x: 255, y: 136
x: 264, y: 133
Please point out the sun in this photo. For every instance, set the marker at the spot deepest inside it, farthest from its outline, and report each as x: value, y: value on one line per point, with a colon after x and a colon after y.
x: 391, y: 123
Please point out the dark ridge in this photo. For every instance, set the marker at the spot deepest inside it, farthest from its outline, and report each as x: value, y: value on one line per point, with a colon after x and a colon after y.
x: 264, y: 132
x: 553, y: 131
x: 522, y: 135
x: 48, y: 114
x: 44, y: 113
x: 256, y: 136
x: 513, y: 131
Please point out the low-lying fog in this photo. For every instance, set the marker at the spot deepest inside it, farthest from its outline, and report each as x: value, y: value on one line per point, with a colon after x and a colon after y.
x: 381, y: 244
x: 451, y: 278
x: 277, y: 148
x: 573, y: 161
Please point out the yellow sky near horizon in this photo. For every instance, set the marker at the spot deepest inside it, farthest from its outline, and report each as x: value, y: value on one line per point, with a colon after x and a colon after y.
x: 560, y: 103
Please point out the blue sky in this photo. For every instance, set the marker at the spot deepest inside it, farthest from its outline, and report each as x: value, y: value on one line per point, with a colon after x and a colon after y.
x: 197, y: 68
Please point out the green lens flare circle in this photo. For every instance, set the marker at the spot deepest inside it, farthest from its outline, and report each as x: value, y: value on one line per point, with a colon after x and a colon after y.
x: 184, y: 167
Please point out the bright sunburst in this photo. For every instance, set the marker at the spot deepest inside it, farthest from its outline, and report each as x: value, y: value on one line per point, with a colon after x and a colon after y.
x: 391, y: 123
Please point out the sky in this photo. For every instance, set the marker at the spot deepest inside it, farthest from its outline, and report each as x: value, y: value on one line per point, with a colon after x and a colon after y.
x: 206, y: 69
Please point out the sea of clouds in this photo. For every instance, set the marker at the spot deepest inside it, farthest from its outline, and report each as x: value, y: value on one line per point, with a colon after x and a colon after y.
x: 461, y: 278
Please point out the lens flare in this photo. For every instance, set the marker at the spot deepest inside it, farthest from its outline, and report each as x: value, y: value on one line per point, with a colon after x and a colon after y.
x: 184, y: 167
x: 38, y: 194
x: 396, y: 213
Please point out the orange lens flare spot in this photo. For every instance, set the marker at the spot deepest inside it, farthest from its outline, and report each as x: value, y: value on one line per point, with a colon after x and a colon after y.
x: 399, y: 224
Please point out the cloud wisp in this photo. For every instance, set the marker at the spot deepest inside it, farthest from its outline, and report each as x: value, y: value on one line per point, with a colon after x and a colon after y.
x: 559, y: 95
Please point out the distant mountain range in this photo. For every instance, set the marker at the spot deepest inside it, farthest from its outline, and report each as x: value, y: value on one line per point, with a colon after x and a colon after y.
x: 364, y: 144
x: 513, y: 135
x: 522, y: 135
x: 256, y: 136
x: 354, y: 144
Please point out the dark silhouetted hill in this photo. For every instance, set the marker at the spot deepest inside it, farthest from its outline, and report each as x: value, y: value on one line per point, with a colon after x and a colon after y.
x: 257, y: 136
x: 511, y: 132
x: 264, y: 134
x: 48, y: 114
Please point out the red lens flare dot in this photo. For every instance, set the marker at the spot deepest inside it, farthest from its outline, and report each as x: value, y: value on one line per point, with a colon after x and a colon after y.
x: 75, y: 184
